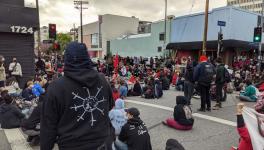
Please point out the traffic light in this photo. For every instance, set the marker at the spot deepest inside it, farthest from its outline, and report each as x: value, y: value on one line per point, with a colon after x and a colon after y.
x: 257, y: 34
x: 220, y: 41
x: 52, y: 31
x: 220, y: 37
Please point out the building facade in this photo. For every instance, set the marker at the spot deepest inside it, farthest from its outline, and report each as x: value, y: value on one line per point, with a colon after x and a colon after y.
x: 146, y: 45
x: 251, y: 5
x: 97, y: 35
x: 17, y: 26
x: 187, y: 33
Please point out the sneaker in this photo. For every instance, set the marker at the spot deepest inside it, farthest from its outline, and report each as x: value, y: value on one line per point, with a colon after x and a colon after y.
x: 35, y: 141
x: 208, y: 109
x: 164, y: 123
x: 30, y: 138
x: 201, y: 109
x: 216, y: 106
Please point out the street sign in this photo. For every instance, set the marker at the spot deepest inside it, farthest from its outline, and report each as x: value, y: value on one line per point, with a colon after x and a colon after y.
x: 221, y: 23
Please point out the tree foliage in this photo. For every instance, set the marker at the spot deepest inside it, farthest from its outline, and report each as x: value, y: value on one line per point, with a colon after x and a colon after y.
x: 63, y: 39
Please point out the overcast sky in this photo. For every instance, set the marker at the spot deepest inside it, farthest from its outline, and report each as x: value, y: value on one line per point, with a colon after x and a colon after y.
x: 63, y: 13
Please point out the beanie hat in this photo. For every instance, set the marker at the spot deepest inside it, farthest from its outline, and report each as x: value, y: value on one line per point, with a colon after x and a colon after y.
x: 203, y: 58
x: 76, y: 57
x: 173, y: 144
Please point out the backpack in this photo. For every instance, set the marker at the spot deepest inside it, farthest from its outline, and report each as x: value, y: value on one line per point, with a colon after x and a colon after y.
x: 227, y: 76
x: 207, y: 76
x: 158, y: 90
x: 188, y: 112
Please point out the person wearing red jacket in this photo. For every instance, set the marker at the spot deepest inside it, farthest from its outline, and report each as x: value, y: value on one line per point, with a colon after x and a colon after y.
x: 245, y: 140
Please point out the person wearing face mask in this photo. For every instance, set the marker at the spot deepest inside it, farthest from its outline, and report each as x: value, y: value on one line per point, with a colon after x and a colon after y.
x: 2, y: 72
x: 15, y: 70
x: 220, y: 81
x: 135, y: 133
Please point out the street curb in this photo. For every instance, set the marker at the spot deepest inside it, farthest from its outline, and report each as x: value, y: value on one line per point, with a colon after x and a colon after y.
x: 16, y: 139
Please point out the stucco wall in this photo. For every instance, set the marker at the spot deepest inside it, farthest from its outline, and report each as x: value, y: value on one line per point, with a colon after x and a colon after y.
x: 239, y: 25
x: 141, y: 46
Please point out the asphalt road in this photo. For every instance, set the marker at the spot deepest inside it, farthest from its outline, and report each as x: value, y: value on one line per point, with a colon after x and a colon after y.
x: 207, y: 134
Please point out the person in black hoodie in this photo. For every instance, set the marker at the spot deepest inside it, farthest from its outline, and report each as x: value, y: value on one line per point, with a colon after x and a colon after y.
x: 137, y: 89
x: 10, y: 115
x: 75, y: 111
x: 183, y: 119
x: 189, y: 82
x: 165, y: 82
x: 134, y: 133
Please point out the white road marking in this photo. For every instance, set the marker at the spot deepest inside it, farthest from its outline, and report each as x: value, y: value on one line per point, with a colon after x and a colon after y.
x: 214, y: 119
x: 16, y: 139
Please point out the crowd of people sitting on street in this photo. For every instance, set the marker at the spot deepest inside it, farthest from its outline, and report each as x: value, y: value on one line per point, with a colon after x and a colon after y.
x: 20, y: 106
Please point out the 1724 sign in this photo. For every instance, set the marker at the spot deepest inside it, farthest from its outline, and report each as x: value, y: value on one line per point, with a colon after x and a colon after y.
x: 22, y: 29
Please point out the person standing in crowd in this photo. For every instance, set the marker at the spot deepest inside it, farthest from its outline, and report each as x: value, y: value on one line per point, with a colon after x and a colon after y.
x: 151, y: 62
x: 219, y: 81
x: 135, y: 133
x: 75, y: 111
x: 203, y: 74
x: 15, y: 70
x: 189, y: 82
x: 40, y: 65
x: 2, y: 72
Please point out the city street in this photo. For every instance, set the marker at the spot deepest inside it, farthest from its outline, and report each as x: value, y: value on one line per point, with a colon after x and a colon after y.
x: 209, y: 133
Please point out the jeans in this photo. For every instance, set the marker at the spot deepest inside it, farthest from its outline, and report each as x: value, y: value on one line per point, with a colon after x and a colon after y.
x: 188, y: 90
x: 119, y: 145
x: 246, y: 99
x: 205, y: 96
x: 219, y: 93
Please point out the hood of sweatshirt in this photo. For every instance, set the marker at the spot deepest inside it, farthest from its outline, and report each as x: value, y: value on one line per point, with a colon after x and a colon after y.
x: 119, y: 104
x: 135, y: 121
x: 78, y: 65
x: 181, y: 100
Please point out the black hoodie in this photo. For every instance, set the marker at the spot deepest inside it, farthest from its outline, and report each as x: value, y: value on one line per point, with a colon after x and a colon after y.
x: 135, y: 134
x: 76, y: 112
x: 10, y: 116
x: 180, y: 113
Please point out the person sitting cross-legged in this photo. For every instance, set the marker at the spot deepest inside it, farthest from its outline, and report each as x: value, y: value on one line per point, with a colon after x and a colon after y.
x: 183, y: 119
x: 134, y: 133
x: 250, y: 93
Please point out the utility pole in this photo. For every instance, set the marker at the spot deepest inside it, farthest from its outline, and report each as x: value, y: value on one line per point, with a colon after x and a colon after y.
x: 79, y: 5
x: 260, y: 43
x: 205, y: 27
x: 37, y: 6
x: 165, y: 24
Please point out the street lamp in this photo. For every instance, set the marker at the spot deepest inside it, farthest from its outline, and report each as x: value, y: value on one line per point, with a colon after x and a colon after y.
x: 79, y: 5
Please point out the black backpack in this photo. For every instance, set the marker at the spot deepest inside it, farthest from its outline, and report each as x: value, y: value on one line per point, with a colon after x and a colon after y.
x: 227, y: 76
x: 207, y: 75
x: 158, y: 89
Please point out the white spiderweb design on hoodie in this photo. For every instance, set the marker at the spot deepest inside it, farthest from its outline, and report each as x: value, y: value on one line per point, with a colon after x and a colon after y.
x: 90, y: 104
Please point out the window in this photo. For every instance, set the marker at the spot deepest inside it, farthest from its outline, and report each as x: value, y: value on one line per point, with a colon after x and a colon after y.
x: 94, y: 40
x: 159, y: 49
x: 161, y: 36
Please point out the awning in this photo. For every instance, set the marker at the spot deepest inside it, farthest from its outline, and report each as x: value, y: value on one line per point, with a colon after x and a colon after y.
x: 213, y: 45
